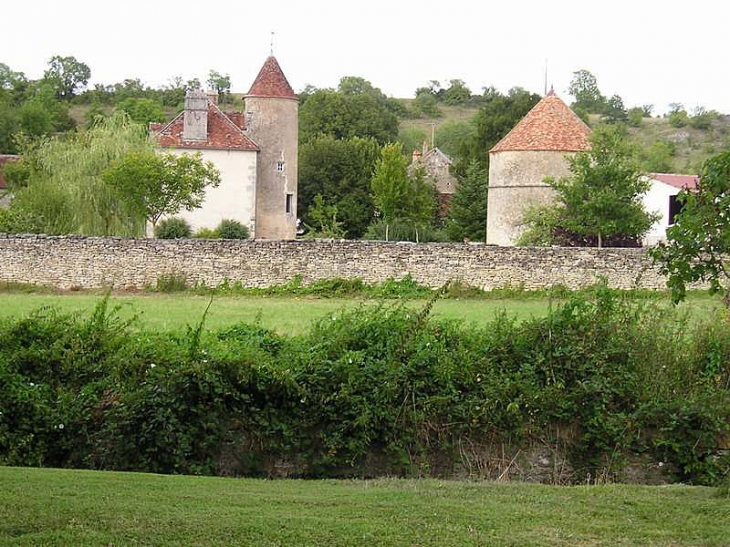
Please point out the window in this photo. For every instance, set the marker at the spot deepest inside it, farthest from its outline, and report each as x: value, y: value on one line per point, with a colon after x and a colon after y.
x: 675, y: 207
x: 279, y: 166
x: 289, y: 204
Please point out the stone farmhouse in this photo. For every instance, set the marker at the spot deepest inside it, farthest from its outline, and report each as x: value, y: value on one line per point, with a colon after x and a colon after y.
x: 538, y: 147
x: 255, y: 152
x: 437, y: 167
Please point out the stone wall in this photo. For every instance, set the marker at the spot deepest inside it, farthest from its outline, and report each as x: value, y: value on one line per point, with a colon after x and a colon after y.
x: 91, y: 262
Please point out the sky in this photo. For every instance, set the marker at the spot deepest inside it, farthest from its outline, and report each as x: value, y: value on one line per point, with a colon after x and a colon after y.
x: 649, y: 52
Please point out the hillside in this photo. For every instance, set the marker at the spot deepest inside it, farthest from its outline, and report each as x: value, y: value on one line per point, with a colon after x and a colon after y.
x: 687, y: 148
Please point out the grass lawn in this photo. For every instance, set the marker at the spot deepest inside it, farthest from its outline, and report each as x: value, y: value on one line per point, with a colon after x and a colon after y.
x: 286, y: 314
x: 64, y: 507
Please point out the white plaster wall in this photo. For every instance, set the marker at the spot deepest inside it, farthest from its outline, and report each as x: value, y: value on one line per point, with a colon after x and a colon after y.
x: 234, y: 198
x: 656, y: 200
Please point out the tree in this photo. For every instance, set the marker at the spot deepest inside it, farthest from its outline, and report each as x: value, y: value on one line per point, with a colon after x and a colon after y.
x: 65, y: 192
x: 356, y: 110
x: 678, y: 116
x: 340, y: 170
x: 584, y: 88
x: 698, y: 243
x: 600, y: 201
x: 451, y: 134
x: 221, y: 84
x: 157, y: 185
x: 67, y: 75
x: 457, y: 93
x: 614, y: 111
x: 398, y: 196
x: 658, y: 157
x: 468, y: 208
x: 324, y: 220
x: 142, y: 111
x: 412, y: 138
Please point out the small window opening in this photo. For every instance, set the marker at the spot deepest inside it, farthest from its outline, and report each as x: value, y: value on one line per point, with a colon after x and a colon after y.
x: 675, y: 207
x: 279, y: 166
x: 289, y: 204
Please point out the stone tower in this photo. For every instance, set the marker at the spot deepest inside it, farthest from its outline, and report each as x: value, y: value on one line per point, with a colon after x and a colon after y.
x: 272, y: 110
x: 534, y: 149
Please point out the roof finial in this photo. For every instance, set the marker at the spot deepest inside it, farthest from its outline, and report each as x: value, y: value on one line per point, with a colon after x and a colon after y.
x: 546, y: 67
x: 272, y: 43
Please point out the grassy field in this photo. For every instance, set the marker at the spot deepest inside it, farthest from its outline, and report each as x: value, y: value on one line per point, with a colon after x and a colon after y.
x: 286, y: 315
x: 62, y: 507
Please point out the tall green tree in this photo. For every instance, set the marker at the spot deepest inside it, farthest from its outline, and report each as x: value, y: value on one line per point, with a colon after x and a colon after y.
x: 584, y: 89
x: 156, y: 185
x: 600, y: 200
x: 221, y: 84
x: 67, y: 75
x: 64, y: 191
x: 698, y: 244
x: 468, y: 209
x: 340, y: 171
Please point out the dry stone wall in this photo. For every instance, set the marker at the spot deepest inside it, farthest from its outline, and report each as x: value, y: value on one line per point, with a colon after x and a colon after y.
x: 91, y: 262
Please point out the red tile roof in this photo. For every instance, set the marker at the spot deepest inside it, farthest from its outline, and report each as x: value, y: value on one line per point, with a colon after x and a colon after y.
x: 550, y: 126
x: 271, y: 82
x: 223, y: 133
x: 678, y: 181
x: 4, y: 158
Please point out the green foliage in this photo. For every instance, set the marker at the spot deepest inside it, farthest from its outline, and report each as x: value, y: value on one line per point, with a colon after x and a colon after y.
x: 468, y: 207
x: 601, y: 199
x: 702, y: 118
x: 356, y: 109
x: 324, y: 220
x: 584, y: 89
x: 635, y: 116
x: 412, y: 138
x: 232, y: 229
x: 425, y: 105
x: 398, y: 196
x: 64, y: 189
x: 142, y: 111
x: 452, y: 134
x: 614, y: 111
x: 698, y: 243
x: 658, y: 157
x: 340, y: 170
x: 206, y: 233
x: 155, y: 184
x: 542, y: 222
x: 67, y: 75
x: 374, y: 382
x: 404, y: 230
x: 457, y: 93
x: 171, y: 282
x: 173, y: 228
x: 678, y: 116
x: 221, y: 84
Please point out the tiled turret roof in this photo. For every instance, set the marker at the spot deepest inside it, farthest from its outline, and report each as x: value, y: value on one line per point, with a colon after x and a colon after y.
x: 271, y: 82
x: 550, y: 126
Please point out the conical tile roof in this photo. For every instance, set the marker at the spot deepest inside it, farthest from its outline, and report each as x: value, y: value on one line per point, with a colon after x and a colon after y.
x: 271, y: 82
x: 550, y: 126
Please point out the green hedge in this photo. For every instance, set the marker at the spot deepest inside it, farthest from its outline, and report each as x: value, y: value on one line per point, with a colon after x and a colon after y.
x: 625, y: 376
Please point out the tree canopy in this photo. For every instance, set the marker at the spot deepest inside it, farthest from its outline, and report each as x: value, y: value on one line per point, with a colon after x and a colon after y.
x: 67, y: 75
x: 468, y: 207
x: 698, y: 244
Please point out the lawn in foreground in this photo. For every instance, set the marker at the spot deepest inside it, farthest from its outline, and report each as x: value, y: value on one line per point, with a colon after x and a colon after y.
x: 286, y: 314
x: 64, y: 507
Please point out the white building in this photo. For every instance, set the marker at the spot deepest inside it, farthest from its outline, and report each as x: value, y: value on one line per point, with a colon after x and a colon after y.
x: 662, y: 199
x: 255, y: 152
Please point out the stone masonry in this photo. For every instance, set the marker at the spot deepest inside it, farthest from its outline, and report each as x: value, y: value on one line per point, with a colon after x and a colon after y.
x: 69, y: 262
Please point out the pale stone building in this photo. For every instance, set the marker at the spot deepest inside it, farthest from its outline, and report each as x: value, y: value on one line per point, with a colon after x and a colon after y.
x: 534, y: 149
x: 437, y: 168
x: 255, y: 152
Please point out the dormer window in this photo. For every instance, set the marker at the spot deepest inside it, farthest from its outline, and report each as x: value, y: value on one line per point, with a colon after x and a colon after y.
x: 279, y: 166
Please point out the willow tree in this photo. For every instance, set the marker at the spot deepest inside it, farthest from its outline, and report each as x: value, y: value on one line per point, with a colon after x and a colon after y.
x: 65, y: 191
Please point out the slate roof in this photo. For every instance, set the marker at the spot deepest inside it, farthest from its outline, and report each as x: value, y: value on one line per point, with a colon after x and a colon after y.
x: 271, y: 82
x: 678, y: 181
x: 550, y: 126
x: 225, y: 132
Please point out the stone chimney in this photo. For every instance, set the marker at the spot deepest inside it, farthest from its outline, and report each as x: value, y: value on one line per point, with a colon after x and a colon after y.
x: 195, y: 126
x: 212, y: 96
x: 416, y: 156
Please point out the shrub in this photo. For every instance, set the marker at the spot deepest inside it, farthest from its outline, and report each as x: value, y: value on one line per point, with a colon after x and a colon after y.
x: 232, y: 229
x: 173, y: 228
x: 206, y: 233
x: 171, y: 282
x: 404, y: 231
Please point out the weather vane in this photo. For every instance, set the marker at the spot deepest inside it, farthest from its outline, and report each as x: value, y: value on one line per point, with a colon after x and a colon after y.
x: 272, y: 43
